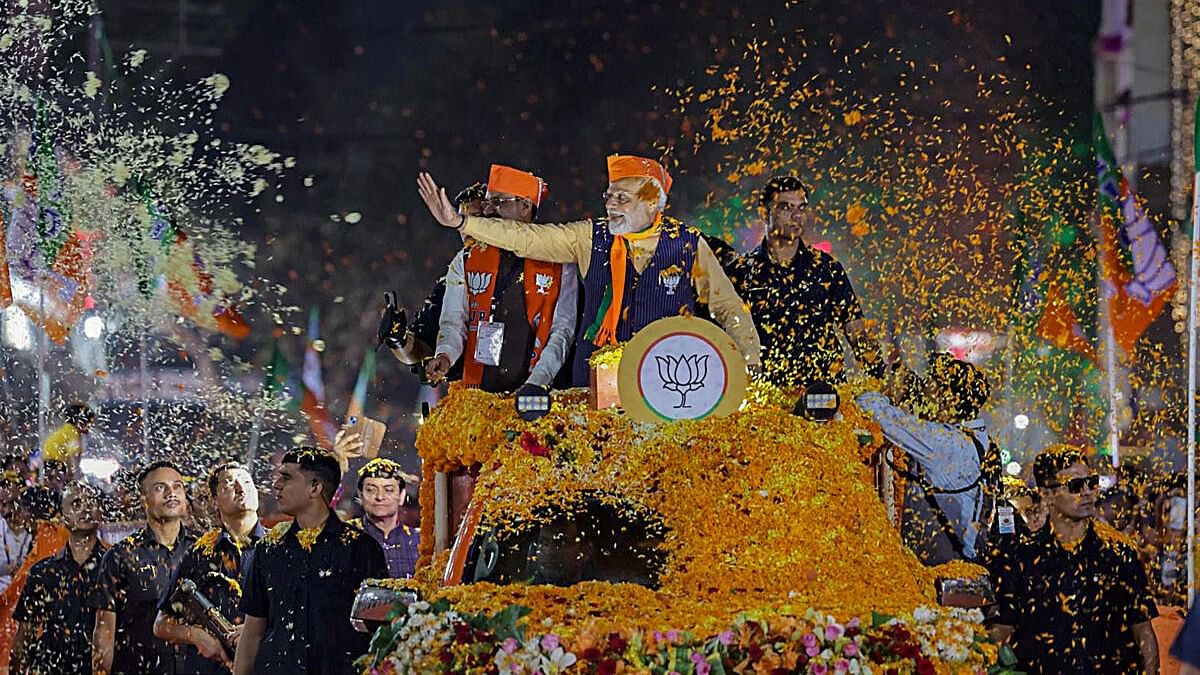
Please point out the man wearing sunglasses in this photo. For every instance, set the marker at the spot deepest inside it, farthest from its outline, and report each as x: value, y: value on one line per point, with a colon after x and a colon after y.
x: 1073, y: 596
x: 800, y: 297
x: 511, y: 320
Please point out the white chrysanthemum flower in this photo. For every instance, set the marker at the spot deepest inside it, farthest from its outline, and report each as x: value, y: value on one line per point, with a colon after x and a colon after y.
x: 218, y: 83
x: 91, y: 86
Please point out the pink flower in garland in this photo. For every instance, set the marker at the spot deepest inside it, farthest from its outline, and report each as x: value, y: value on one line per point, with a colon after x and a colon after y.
x: 833, y: 631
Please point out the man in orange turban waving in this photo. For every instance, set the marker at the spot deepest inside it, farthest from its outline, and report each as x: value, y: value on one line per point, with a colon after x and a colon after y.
x: 638, y: 265
x: 510, y: 319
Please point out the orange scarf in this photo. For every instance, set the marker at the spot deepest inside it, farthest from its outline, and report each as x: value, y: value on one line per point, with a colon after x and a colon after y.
x: 541, y: 284
x: 618, y: 255
x: 542, y: 281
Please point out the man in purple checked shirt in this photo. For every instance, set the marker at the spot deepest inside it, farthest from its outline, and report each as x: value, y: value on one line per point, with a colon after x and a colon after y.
x: 381, y: 491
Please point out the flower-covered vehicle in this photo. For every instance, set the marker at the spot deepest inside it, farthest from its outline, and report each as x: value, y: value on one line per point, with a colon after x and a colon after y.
x: 755, y: 542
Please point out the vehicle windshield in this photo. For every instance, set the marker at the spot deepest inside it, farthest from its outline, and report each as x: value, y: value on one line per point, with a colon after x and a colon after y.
x: 594, y: 542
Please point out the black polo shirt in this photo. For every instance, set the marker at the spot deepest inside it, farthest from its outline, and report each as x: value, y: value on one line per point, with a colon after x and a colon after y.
x: 1073, y: 610
x: 54, y: 605
x: 799, y: 309
x: 306, y: 596
x: 134, y: 574
x: 215, y: 564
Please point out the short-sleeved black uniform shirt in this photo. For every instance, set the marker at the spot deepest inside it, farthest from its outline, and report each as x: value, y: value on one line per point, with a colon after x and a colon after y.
x: 1073, y: 610
x: 215, y: 564
x: 306, y: 595
x: 134, y: 575
x: 54, y: 605
x: 799, y: 309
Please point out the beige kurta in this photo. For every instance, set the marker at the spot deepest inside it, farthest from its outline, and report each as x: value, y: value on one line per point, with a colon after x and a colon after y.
x: 572, y: 243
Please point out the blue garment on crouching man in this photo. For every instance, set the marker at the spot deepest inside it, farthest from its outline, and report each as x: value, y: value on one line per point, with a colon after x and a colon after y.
x: 663, y: 289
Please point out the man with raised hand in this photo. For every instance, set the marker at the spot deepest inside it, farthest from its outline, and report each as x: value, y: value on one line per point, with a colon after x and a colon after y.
x: 511, y: 320
x: 638, y: 265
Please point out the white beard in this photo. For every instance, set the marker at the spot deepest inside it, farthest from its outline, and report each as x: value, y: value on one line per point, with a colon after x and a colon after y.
x: 621, y: 226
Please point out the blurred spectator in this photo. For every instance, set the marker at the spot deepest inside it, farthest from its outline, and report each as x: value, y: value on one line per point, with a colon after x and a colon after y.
x: 31, y: 537
x: 54, y: 634
x: 55, y: 475
x: 68, y: 442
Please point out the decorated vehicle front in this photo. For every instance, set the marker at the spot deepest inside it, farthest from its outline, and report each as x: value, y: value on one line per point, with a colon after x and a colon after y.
x: 598, y: 543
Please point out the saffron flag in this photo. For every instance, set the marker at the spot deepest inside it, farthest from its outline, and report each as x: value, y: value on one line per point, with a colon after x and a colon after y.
x: 189, y: 286
x: 1061, y: 327
x: 1137, y: 273
x: 312, y: 400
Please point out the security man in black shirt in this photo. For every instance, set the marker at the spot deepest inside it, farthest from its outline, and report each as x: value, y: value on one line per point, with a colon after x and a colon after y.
x: 301, y: 582
x: 214, y: 565
x: 54, y: 632
x: 801, y: 298
x: 1073, y: 597
x: 133, y: 577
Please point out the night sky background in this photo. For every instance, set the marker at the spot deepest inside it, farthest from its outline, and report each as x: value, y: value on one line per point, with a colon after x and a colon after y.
x: 364, y: 94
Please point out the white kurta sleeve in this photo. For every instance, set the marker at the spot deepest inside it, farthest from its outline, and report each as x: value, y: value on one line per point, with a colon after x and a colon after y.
x: 452, y: 323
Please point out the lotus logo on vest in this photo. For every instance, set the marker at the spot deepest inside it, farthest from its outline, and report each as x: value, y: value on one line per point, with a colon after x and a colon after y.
x: 543, y: 281
x: 478, y: 282
x: 670, y: 277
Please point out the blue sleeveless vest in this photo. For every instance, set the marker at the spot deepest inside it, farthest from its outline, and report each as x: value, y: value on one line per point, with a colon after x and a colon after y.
x: 663, y: 289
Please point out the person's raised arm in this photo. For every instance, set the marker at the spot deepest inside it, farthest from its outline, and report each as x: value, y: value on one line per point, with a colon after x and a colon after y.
x: 556, y: 243
x: 103, y: 638
x: 253, y: 632
x: 715, y: 289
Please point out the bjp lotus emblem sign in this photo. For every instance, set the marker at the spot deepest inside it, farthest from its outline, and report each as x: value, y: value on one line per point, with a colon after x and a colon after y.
x: 681, y: 368
x: 682, y: 374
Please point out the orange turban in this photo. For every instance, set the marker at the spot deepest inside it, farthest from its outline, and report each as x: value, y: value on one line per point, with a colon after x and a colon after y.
x: 517, y: 183
x: 628, y: 166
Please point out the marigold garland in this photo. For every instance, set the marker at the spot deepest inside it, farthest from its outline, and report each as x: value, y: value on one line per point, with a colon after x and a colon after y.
x: 207, y: 544
x: 798, y: 515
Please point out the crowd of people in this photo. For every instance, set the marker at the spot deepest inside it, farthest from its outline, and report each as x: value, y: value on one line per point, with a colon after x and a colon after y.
x: 206, y: 581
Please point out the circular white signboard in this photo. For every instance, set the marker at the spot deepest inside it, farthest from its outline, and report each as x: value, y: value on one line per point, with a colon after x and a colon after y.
x: 681, y: 368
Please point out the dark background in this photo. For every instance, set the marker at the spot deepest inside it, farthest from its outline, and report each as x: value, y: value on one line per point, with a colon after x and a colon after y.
x: 366, y: 93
